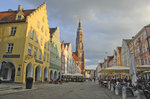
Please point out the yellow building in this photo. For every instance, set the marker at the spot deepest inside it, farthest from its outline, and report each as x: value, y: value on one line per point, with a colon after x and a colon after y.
x: 131, y: 47
x: 90, y: 73
x: 119, y: 61
x: 24, y: 44
x: 55, y: 54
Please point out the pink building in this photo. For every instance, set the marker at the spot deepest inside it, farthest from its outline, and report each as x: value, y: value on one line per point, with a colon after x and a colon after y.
x: 141, y: 46
x: 110, y: 61
x: 63, y: 57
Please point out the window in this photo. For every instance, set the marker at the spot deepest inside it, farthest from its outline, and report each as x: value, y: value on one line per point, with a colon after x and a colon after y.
x: 142, y: 37
x: 38, y: 24
x: 145, y: 35
x: 44, y: 56
x: 134, y: 43
x: 45, y: 32
x: 42, y: 28
x: 31, y: 34
x: 145, y: 61
x: 10, y: 47
x: 19, y: 17
x: 45, y: 45
x: 43, y: 18
x: 47, y: 57
x: 35, y: 52
x: 13, y: 31
x: 36, y: 38
x: 41, y: 41
x: 29, y: 50
x: 40, y: 54
x: 48, y: 46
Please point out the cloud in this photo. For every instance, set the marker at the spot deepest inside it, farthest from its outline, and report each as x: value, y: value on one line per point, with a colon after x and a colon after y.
x: 105, y: 22
x: 91, y: 66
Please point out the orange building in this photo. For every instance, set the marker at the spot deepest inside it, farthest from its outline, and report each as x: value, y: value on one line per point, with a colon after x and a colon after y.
x: 119, y: 60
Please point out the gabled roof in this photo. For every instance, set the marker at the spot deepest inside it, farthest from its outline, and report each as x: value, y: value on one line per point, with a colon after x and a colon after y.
x: 66, y: 44
x: 75, y: 57
x: 52, y: 31
x: 109, y: 58
x: 127, y: 41
x: 10, y: 16
x: 119, y: 49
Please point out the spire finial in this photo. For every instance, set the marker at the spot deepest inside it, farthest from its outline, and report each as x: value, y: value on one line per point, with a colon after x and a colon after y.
x: 44, y: 1
x: 79, y: 23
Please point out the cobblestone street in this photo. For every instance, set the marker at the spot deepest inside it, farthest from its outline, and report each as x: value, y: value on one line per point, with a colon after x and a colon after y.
x: 86, y: 90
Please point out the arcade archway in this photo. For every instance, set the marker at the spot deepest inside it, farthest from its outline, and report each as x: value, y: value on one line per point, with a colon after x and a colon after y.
x: 38, y: 73
x: 55, y: 75
x: 45, y: 74
x: 51, y: 75
x: 8, y: 71
x: 29, y: 70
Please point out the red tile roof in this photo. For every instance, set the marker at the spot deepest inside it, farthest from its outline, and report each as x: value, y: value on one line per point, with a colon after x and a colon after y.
x: 10, y: 16
x: 75, y: 57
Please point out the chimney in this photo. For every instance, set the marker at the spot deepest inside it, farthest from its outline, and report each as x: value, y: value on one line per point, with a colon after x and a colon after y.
x: 20, y: 8
x: 9, y: 10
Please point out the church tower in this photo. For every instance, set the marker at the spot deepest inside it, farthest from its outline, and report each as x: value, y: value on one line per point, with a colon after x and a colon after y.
x: 80, y: 47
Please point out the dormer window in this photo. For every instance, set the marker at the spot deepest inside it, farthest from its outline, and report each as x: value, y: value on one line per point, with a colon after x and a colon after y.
x: 20, y: 14
x: 19, y: 17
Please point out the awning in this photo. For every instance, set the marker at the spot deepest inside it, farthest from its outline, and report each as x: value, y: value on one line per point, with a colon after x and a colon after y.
x: 143, y: 67
x: 78, y: 74
x: 116, y: 69
x: 67, y: 74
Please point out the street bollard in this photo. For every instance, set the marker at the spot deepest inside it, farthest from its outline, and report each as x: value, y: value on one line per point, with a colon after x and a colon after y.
x: 117, y: 90
x: 112, y: 87
x: 124, y: 94
x: 137, y: 94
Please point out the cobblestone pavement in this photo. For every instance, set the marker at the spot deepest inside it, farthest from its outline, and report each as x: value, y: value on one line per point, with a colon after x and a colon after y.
x: 86, y: 90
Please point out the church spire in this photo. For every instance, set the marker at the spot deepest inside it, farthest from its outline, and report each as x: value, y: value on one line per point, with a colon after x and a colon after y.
x: 79, y: 47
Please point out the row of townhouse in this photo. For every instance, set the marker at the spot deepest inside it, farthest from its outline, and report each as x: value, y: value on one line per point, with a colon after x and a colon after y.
x: 29, y: 48
x: 70, y: 61
x: 90, y: 73
x: 138, y: 45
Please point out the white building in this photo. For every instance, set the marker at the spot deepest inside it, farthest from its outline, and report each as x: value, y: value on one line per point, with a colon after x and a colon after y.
x: 67, y: 59
x: 98, y: 69
x: 125, y: 54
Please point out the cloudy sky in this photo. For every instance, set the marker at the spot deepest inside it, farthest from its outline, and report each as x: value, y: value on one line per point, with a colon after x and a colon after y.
x: 104, y: 22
